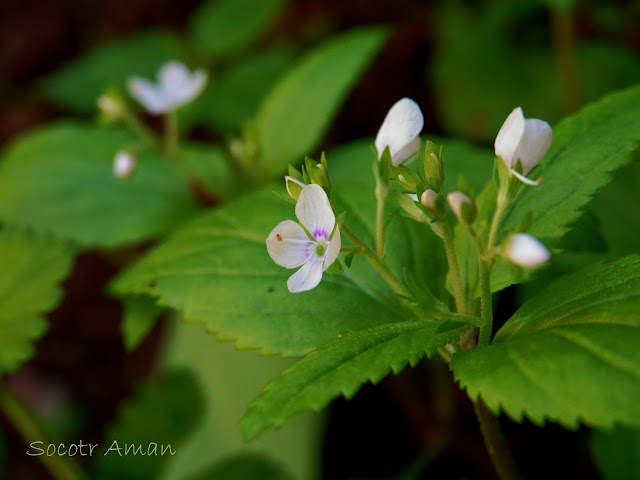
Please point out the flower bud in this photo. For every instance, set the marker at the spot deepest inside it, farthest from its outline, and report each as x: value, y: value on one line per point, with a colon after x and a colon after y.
x: 463, y: 207
x: 525, y: 251
x: 111, y: 106
x: 294, y: 187
x: 400, y: 131
x: 428, y: 199
x: 123, y: 164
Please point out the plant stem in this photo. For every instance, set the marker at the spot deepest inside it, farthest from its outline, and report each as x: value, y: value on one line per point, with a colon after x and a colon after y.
x: 171, y: 132
x: 456, y: 279
x: 134, y: 123
x: 378, y: 264
x: 30, y: 429
x: 497, y: 216
x: 486, y: 306
x: 495, y: 442
x: 564, y: 45
x: 380, y: 225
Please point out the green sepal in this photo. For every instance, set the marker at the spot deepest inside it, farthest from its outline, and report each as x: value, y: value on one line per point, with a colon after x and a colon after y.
x: 348, y: 259
x: 293, y: 172
x: 335, y: 268
x: 316, y: 174
x: 468, y: 211
x: 383, y: 167
x: 412, y: 208
x: 407, y: 178
x: 431, y: 161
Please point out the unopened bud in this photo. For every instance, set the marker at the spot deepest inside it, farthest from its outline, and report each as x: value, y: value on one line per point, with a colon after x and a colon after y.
x: 525, y: 251
x: 123, y: 164
x: 463, y: 207
x: 111, y: 106
x: 428, y: 199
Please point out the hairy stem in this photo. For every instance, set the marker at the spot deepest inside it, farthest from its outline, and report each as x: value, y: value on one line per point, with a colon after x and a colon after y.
x: 486, y: 306
x: 378, y: 264
x: 497, y: 216
x: 495, y: 442
x: 456, y: 279
x: 30, y: 428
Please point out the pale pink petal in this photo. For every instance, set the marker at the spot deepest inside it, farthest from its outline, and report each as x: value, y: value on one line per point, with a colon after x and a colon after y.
x: 314, y: 212
x: 288, y: 245
x: 333, y: 250
x: 173, y: 75
x: 534, y: 143
x: 408, y: 151
x: 401, y: 126
x: 525, y: 251
x: 147, y: 94
x: 509, y: 137
x: 307, y: 277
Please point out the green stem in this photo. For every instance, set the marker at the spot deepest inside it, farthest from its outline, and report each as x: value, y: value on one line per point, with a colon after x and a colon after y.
x: 378, y: 264
x: 134, y: 123
x: 456, y: 279
x: 380, y: 225
x: 31, y: 429
x: 486, y: 306
x: 500, y: 208
x: 495, y: 442
x: 171, y: 132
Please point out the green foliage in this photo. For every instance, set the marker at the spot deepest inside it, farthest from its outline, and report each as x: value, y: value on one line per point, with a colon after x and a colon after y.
x: 243, y: 467
x: 206, y: 269
x: 340, y: 367
x: 78, y: 84
x: 617, y: 453
x: 222, y: 27
x: 140, y: 315
x: 59, y: 179
x: 212, y: 168
x: 163, y: 412
x: 569, y: 354
x: 232, y: 98
x: 586, y: 148
x: 296, y: 113
x: 30, y: 270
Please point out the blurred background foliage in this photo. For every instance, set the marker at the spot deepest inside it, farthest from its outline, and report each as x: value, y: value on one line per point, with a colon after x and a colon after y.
x: 467, y: 64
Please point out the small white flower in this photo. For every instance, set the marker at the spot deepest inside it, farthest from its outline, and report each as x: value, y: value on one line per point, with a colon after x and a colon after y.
x: 525, y: 251
x: 524, y: 139
x: 400, y: 131
x: 110, y: 106
x: 123, y: 164
x: 290, y: 246
x: 176, y: 86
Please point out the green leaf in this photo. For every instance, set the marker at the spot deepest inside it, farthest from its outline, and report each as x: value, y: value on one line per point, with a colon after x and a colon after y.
x: 617, y: 453
x: 222, y: 27
x: 341, y: 367
x: 216, y: 271
x: 212, y: 168
x: 586, y: 149
x: 140, y: 315
x: 59, y: 179
x: 78, y: 84
x: 294, y: 116
x: 30, y: 270
x: 569, y: 354
x: 233, y: 97
x: 162, y: 412
x: 243, y: 466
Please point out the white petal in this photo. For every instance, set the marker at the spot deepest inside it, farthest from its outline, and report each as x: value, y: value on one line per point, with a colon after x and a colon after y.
x: 408, y: 151
x: 147, y: 94
x: 123, y: 164
x: 334, y: 250
x: 173, y: 75
x: 288, y: 245
x: 509, y: 137
x: 307, y: 277
x: 526, y: 251
x: 413, y: 197
x: 401, y: 126
x: 314, y: 212
x: 534, y: 143
x: 193, y: 87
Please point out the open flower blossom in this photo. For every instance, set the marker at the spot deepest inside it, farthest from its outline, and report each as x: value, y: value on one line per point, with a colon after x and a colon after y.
x: 400, y: 131
x: 290, y: 246
x: 123, y: 164
x: 525, y: 251
x: 175, y: 87
x: 522, y: 139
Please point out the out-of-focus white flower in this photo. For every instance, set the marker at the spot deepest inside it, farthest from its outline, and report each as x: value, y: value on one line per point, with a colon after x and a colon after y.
x: 111, y: 106
x: 524, y: 250
x: 525, y: 139
x: 400, y: 131
x: 175, y: 87
x: 123, y: 164
x: 289, y: 245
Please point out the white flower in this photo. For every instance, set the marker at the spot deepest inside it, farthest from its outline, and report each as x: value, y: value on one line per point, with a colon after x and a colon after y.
x: 123, y: 164
x: 400, y: 131
x: 176, y: 86
x: 527, y: 140
x: 289, y: 245
x: 525, y: 251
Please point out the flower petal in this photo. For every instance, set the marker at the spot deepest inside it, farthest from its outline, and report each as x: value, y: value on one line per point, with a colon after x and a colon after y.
x: 333, y: 250
x: 147, y: 94
x: 288, y: 245
x: 173, y: 76
x: 314, y: 212
x: 401, y: 126
x: 307, y: 277
x: 534, y: 143
x: 193, y: 87
x: 407, y: 151
x: 509, y: 137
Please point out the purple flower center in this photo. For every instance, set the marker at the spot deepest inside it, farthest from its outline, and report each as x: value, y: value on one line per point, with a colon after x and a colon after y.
x: 320, y: 232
